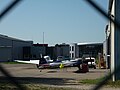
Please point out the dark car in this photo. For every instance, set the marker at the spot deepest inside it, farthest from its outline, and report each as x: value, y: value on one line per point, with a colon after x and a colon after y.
x: 77, y: 62
x: 82, y: 66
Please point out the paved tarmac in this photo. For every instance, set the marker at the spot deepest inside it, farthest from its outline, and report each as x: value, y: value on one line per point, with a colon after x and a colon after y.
x: 30, y: 70
x: 66, y: 77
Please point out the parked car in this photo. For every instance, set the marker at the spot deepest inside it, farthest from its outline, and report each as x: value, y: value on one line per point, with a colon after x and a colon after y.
x: 60, y: 58
x: 91, y: 62
x: 82, y: 66
x: 77, y: 62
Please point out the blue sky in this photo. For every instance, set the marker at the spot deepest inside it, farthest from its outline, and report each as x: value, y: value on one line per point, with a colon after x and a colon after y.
x: 62, y: 21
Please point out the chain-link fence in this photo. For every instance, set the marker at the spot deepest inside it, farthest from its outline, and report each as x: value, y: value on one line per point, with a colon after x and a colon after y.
x: 11, y: 78
x: 3, y: 70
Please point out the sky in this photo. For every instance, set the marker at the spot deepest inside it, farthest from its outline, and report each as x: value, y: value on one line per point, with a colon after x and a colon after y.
x: 62, y: 21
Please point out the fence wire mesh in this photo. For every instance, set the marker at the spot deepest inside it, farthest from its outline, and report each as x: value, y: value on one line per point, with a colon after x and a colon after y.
x: 3, y: 70
x: 109, y: 17
x: 90, y: 2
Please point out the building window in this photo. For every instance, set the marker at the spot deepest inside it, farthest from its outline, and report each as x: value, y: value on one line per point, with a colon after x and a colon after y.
x: 72, y: 55
x: 72, y: 48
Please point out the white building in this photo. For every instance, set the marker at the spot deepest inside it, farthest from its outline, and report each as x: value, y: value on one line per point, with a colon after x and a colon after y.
x: 74, y: 50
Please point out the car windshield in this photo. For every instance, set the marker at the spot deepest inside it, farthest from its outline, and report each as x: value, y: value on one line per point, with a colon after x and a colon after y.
x: 90, y: 60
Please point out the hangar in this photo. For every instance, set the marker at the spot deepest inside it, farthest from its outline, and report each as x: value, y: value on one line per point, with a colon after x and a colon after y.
x: 12, y: 48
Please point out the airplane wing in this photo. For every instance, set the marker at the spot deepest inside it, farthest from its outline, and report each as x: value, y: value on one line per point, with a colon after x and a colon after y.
x: 29, y: 62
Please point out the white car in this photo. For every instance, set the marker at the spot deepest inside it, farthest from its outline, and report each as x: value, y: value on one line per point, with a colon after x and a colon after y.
x: 91, y: 62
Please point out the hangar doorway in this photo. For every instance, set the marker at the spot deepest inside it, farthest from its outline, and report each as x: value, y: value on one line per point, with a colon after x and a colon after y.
x: 5, y: 53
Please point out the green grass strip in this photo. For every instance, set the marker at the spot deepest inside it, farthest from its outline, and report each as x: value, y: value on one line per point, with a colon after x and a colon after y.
x: 98, y: 80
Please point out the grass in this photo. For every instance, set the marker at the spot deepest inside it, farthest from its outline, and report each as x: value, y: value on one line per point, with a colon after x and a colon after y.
x: 98, y: 80
x: 91, y: 81
x: 41, y: 87
x: 31, y: 86
x: 8, y: 86
x: 114, y: 84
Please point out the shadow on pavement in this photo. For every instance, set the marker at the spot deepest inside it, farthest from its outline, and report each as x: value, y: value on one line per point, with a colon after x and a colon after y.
x: 38, y: 80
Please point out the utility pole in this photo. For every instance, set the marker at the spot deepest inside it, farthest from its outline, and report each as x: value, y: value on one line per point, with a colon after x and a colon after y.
x: 43, y: 44
x: 43, y: 38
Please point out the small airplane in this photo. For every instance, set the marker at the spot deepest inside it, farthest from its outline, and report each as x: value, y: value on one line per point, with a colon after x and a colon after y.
x: 46, y: 62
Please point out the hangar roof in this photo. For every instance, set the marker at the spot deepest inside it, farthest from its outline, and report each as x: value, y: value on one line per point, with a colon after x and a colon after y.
x: 89, y: 43
x: 10, y: 38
